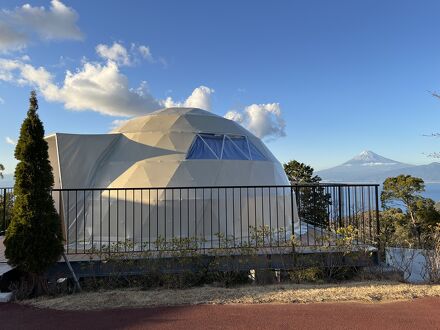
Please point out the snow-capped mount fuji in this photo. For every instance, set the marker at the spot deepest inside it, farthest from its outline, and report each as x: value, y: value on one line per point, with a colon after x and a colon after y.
x: 369, y: 158
x: 371, y: 167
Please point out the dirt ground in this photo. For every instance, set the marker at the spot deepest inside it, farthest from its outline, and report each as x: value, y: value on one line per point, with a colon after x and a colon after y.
x: 415, y: 314
x: 246, y: 294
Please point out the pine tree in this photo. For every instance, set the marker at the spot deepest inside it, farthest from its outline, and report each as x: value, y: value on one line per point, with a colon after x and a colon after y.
x: 33, y: 239
x: 313, y: 201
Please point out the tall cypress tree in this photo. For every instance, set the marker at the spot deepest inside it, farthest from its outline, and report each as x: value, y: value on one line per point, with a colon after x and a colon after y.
x: 33, y: 239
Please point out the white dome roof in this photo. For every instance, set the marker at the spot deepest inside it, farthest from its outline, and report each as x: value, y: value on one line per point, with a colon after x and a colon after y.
x: 152, y: 150
x: 182, y: 120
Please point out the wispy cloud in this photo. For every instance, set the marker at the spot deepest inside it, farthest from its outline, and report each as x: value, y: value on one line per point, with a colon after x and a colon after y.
x: 10, y: 141
x: 436, y: 135
x: 23, y: 24
x: 128, y: 56
x: 146, y: 53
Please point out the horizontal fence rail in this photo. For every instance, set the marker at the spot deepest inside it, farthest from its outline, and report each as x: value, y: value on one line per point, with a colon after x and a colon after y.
x: 202, y: 218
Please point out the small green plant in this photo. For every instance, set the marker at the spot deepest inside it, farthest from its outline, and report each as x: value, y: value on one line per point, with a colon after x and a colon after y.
x: 346, y: 238
x: 307, y: 275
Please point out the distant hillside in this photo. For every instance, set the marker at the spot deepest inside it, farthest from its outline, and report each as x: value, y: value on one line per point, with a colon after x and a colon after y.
x: 371, y: 167
x: 429, y: 173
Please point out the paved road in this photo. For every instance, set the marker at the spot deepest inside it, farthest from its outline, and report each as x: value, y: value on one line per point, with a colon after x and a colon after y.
x: 417, y: 314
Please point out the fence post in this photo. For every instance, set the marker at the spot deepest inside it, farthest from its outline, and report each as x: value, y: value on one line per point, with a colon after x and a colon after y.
x: 292, y: 211
x: 4, y: 210
x: 340, y: 206
x: 376, y: 192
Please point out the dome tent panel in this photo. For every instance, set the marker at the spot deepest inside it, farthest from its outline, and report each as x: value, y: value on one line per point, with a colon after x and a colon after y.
x: 166, y: 142
x: 242, y: 173
x: 89, y: 150
x: 132, y: 126
x: 182, y: 177
x: 212, y: 124
x: 132, y: 177
x: 160, y: 122
x: 204, y: 172
x: 147, y: 138
x: 123, y: 155
x: 182, y: 125
x: 160, y: 171
x: 53, y: 159
x: 181, y: 140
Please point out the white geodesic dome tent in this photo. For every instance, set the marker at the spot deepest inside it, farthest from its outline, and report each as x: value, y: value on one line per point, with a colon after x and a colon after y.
x: 174, y: 147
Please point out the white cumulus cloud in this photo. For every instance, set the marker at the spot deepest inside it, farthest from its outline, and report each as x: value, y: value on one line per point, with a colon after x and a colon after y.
x: 104, y: 89
x: 10, y: 141
x: 22, y: 24
x: 263, y: 120
x: 199, y: 98
x: 116, y: 53
x: 235, y: 116
x: 99, y: 87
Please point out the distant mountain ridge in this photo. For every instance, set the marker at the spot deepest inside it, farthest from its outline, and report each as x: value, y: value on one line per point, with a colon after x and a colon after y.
x: 371, y: 167
x: 367, y: 167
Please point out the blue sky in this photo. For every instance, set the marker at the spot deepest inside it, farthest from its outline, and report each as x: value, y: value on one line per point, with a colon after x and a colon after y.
x: 319, y: 81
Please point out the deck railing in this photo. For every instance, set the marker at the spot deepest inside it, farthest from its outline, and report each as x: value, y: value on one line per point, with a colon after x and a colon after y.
x: 203, y: 218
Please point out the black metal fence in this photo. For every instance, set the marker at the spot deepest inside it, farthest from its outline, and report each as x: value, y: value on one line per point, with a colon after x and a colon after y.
x: 7, y: 201
x: 201, y: 218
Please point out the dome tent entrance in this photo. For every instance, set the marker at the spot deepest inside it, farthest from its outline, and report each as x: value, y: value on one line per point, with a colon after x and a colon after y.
x: 175, y: 147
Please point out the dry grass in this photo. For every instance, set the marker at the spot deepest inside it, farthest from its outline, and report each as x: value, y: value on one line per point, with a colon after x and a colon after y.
x: 281, y: 293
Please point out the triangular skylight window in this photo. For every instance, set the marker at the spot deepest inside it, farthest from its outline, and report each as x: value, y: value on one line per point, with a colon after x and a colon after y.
x: 223, y: 146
